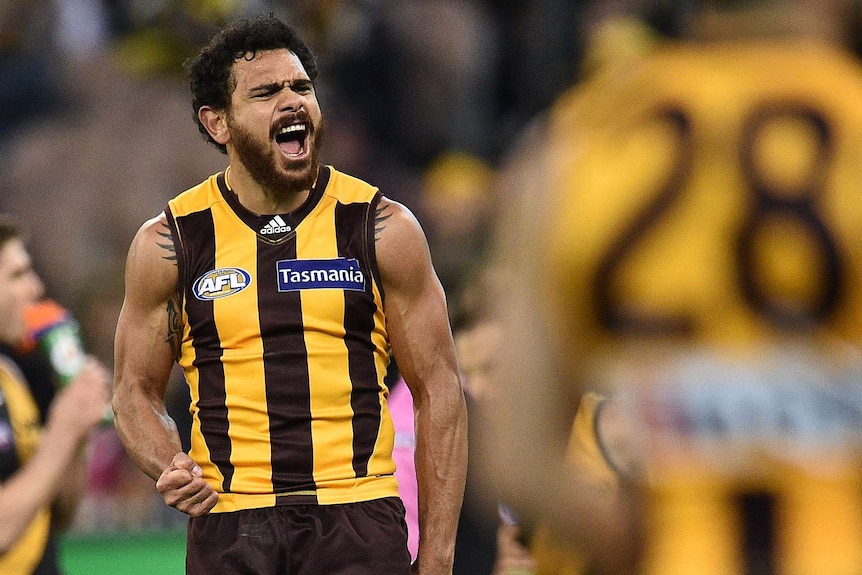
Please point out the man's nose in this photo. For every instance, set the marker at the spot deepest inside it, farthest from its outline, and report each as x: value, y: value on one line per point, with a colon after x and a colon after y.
x: 290, y: 101
x: 37, y: 287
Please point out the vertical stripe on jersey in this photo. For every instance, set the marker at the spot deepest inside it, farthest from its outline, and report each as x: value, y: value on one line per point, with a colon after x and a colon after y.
x: 758, y: 523
x: 211, y: 397
x: 287, y: 379
x: 329, y: 375
x: 245, y: 389
x: 351, y: 225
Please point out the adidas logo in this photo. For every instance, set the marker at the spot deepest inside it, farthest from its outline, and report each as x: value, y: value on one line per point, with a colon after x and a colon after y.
x: 275, y: 226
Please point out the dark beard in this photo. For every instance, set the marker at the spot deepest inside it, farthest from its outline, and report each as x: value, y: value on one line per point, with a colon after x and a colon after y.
x: 257, y: 159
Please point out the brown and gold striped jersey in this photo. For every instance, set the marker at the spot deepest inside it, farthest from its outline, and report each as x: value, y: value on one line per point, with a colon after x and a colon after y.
x: 284, y: 345
x: 703, y: 255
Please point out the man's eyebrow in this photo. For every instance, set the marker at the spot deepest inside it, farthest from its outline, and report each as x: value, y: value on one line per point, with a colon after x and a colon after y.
x: 268, y: 87
x: 272, y: 86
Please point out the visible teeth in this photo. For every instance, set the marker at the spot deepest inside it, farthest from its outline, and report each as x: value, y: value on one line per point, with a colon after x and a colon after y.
x: 293, y: 128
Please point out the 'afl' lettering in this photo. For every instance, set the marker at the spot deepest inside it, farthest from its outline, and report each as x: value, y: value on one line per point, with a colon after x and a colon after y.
x: 221, y: 283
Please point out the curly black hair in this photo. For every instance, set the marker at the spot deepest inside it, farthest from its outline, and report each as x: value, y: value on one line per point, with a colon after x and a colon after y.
x: 210, y: 71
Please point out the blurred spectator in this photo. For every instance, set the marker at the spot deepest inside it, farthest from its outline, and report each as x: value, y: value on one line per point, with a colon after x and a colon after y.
x: 457, y: 202
x: 476, y: 541
x: 41, y: 471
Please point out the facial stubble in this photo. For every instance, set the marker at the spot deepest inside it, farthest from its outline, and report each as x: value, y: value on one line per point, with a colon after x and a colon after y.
x: 258, y: 158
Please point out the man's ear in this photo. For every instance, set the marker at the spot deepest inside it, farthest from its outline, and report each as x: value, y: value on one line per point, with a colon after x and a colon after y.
x: 215, y: 123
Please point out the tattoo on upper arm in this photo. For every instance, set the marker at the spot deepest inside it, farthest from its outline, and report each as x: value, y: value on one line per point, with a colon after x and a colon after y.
x: 380, y: 216
x: 168, y: 245
x: 175, y: 328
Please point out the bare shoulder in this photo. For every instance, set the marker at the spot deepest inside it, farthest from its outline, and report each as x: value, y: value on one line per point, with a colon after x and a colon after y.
x: 400, y: 242
x: 152, y: 259
x: 396, y: 228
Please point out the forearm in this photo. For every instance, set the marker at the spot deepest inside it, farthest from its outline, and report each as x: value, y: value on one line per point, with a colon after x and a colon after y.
x: 70, y: 492
x: 441, y: 469
x: 148, y: 433
x: 35, y: 485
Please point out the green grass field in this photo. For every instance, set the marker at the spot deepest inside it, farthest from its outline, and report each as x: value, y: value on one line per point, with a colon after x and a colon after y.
x: 160, y: 553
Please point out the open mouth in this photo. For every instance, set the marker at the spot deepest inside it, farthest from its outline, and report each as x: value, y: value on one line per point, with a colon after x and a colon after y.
x: 292, y: 140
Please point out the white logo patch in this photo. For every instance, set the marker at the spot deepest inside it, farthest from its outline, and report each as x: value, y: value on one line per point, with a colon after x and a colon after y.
x: 221, y: 283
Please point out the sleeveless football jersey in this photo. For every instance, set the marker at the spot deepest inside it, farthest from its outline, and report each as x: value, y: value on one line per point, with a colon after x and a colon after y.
x: 19, y: 436
x: 704, y: 258
x: 284, y: 345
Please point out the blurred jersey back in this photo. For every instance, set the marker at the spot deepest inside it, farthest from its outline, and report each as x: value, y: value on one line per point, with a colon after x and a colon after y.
x: 705, y: 259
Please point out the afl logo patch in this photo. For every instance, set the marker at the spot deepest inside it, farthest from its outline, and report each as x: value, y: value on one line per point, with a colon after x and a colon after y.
x: 220, y: 283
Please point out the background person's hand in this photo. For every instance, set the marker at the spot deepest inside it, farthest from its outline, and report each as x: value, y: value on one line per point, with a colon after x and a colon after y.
x: 83, y: 404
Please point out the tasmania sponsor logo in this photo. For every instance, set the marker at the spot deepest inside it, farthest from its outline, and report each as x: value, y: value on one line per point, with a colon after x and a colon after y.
x: 220, y: 283
x: 338, y: 273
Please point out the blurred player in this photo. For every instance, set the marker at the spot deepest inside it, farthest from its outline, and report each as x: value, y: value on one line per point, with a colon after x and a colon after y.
x: 688, y: 242
x: 39, y: 467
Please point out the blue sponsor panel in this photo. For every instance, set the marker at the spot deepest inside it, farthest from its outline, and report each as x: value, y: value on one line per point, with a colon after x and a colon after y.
x: 220, y: 283
x: 338, y: 273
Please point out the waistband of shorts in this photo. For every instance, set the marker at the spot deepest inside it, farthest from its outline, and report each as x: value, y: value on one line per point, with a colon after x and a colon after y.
x: 331, y: 493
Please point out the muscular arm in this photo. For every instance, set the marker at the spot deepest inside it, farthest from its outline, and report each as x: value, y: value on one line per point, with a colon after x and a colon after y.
x: 147, y: 341
x: 144, y: 347
x: 418, y: 326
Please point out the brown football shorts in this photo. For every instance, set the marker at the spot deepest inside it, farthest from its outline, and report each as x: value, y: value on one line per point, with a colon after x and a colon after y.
x: 364, y: 538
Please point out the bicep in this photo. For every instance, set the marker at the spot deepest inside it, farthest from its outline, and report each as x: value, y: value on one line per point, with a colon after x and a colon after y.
x: 148, y: 329
x: 415, y: 304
